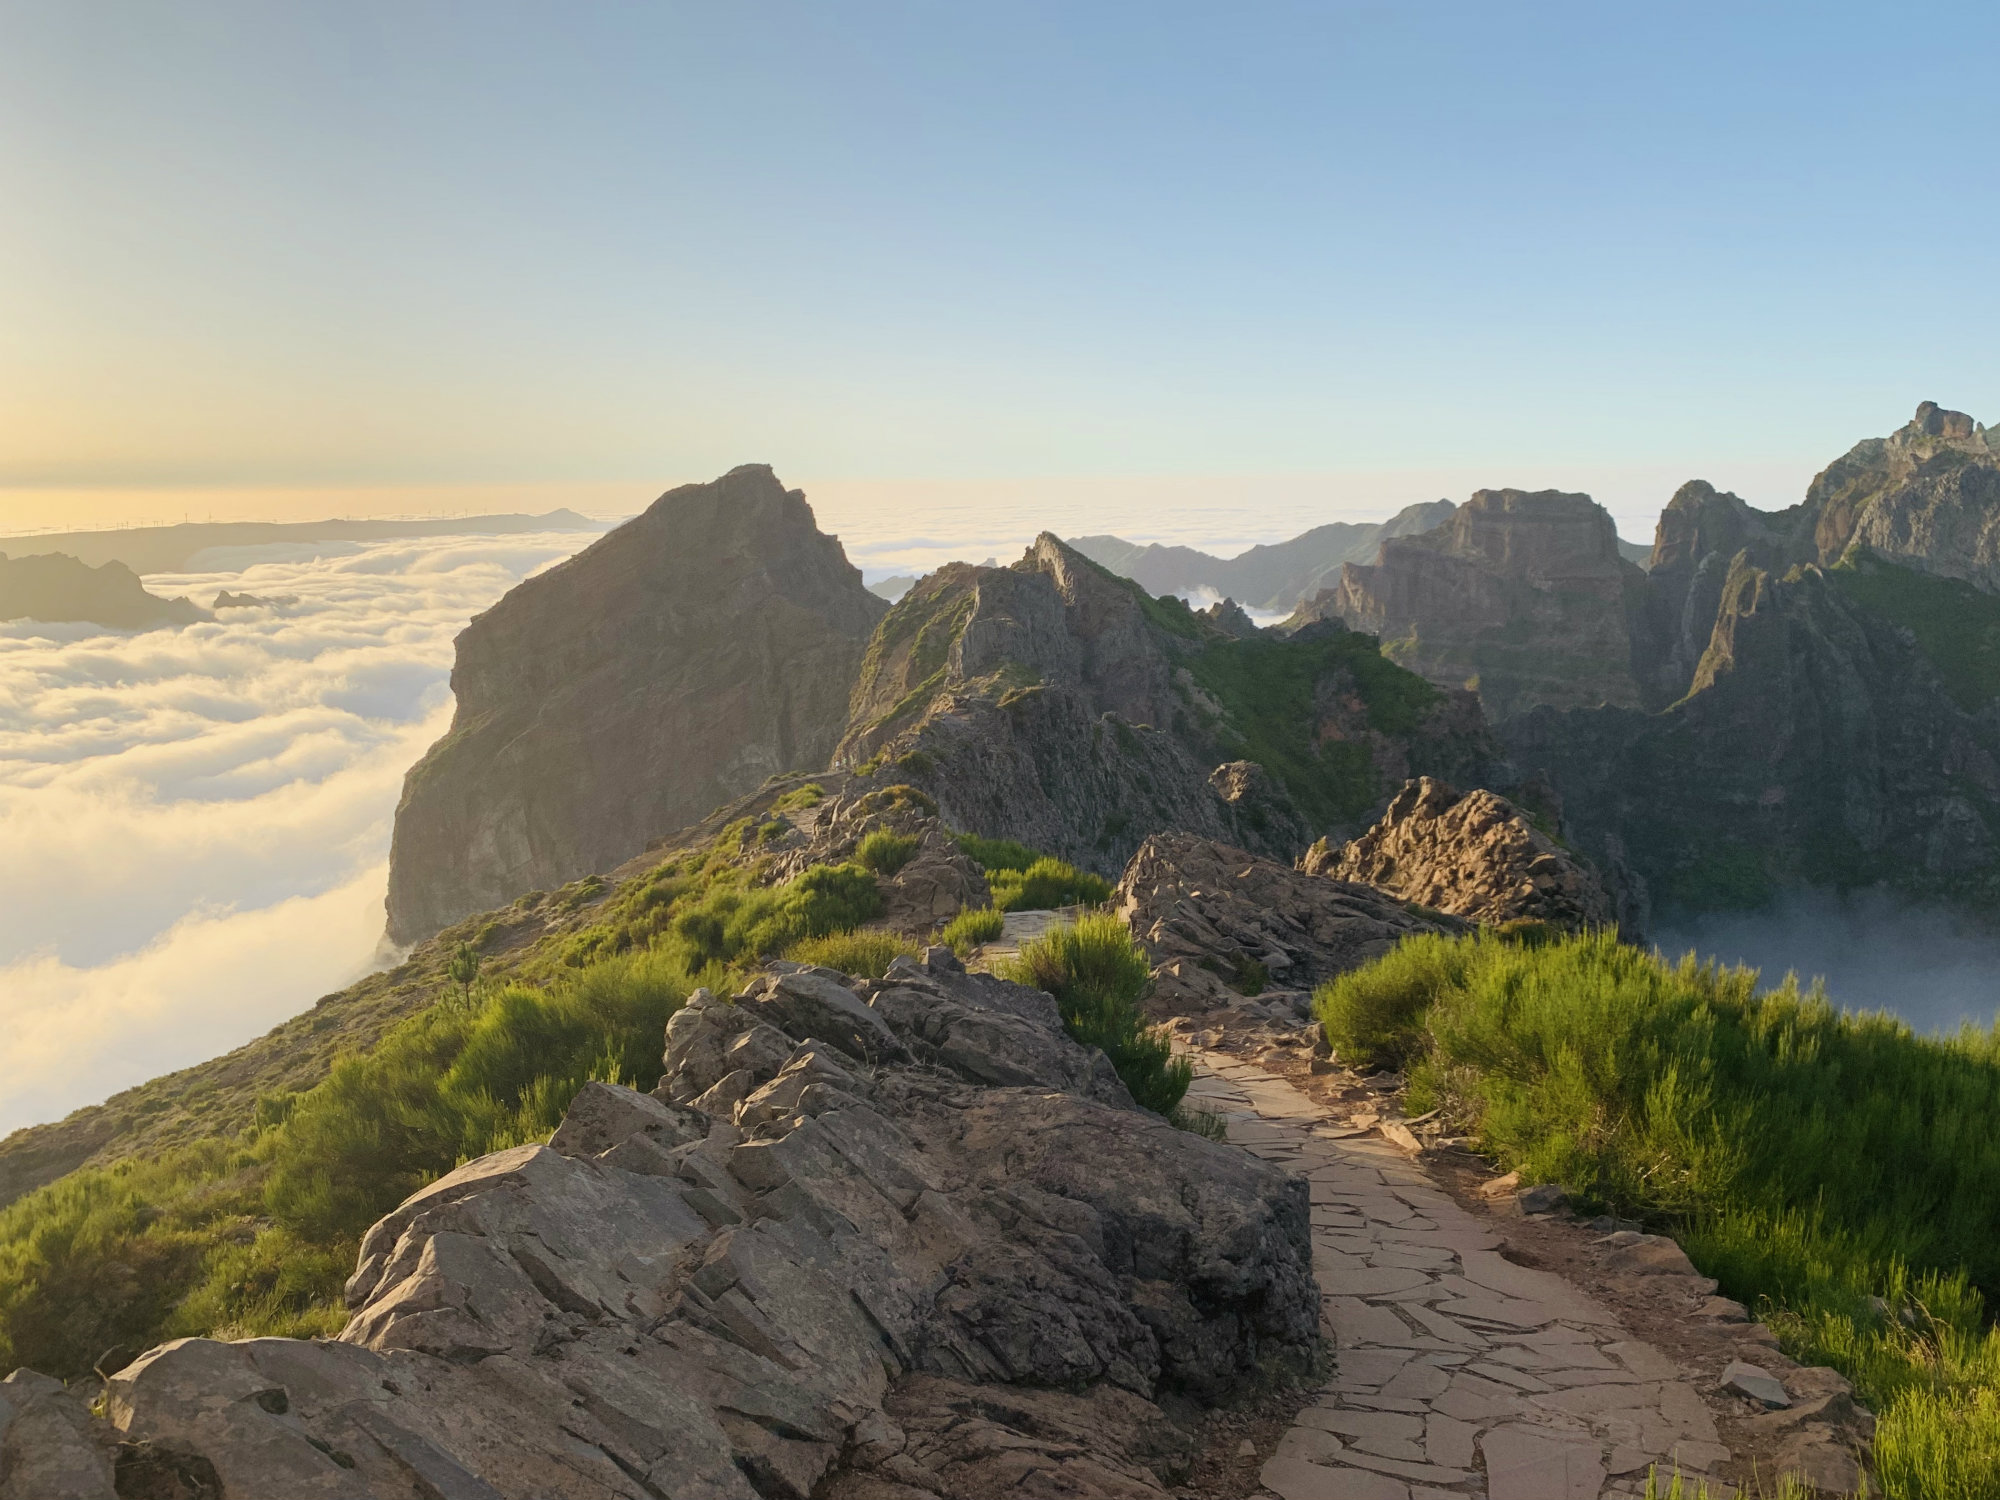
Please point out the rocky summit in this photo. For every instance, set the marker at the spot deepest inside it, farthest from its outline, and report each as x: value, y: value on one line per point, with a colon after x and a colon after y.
x: 1058, y: 705
x: 678, y: 662
x: 1474, y: 855
x: 924, y: 1245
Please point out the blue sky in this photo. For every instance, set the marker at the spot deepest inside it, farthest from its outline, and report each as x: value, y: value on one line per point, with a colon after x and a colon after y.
x: 267, y: 245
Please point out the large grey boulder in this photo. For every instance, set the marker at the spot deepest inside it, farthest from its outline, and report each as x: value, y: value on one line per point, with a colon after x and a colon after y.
x: 809, y: 1287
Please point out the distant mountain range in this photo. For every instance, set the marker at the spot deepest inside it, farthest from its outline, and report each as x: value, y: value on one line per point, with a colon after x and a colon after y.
x: 171, y: 549
x: 1275, y: 578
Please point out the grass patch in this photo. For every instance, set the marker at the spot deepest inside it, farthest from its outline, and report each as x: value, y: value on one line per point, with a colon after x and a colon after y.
x: 970, y: 928
x: 996, y: 854
x: 885, y: 851
x: 1097, y: 974
x: 866, y: 955
x: 1046, y: 885
x: 1834, y: 1170
x: 256, y: 1235
x: 1266, y: 688
x: 1956, y: 625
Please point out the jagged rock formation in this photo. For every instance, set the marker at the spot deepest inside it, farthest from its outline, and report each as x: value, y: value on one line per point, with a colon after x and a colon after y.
x: 1056, y: 704
x: 926, y: 1238
x: 55, y: 587
x: 1218, y: 922
x: 227, y: 600
x: 1273, y: 577
x: 1524, y: 596
x: 700, y: 648
x: 1474, y: 855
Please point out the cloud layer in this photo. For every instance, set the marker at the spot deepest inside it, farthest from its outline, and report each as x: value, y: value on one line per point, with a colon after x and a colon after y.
x: 196, y: 822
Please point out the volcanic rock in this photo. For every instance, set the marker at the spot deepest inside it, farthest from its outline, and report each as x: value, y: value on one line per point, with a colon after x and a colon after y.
x: 1474, y: 855
x: 672, y: 665
x: 1215, y: 919
x: 879, y: 1270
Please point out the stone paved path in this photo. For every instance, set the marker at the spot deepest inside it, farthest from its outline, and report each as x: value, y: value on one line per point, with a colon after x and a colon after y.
x: 1458, y: 1372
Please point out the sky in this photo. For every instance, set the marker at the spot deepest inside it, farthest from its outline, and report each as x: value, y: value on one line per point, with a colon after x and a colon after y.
x: 1330, y: 258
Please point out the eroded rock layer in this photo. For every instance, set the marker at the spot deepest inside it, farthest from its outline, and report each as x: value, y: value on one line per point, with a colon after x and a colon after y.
x: 866, y: 1234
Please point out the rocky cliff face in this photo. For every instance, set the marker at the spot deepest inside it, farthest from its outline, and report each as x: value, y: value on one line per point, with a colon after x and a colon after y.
x: 676, y: 663
x: 933, y: 1244
x: 1474, y: 855
x: 1817, y: 743
x: 1056, y: 704
x: 55, y: 587
x: 1522, y: 595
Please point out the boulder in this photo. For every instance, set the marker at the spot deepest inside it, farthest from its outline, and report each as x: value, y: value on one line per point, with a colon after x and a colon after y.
x: 938, y: 1252
x: 1474, y: 855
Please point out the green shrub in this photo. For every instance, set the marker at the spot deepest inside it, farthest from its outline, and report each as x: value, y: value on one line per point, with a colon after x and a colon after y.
x: 1812, y: 1161
x: 885, y: 851
x: 996, y: 854
x: 970, y: 928
x: 866, y: 955
x: 730, y: 921
x: 1097, y: 974
x: 1046, y: 885
x: 800, y: 797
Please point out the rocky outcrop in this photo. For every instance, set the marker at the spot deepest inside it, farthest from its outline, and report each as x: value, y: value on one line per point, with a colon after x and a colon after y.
x: 1701, y: 532
x: 672, y: 665
x: 56, y: 588
x: 1272, y: 577
x: 1053, y: 703
x: 927, y: 1238
x: 1523, y: 596
x: 1219, y: 923
x: 1474, y: 855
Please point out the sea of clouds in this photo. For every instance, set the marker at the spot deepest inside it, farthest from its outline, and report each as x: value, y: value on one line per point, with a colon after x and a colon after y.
x: 194, y: 823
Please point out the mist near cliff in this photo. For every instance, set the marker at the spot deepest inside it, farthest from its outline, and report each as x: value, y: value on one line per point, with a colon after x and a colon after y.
x: 1933, y: 967
x: 197, y: 820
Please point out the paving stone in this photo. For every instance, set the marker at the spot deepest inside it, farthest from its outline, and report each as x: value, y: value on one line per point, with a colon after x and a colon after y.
x: 1295, y: 1479
x: 1521, y: 1380
x: 1368, y: 1369
x: 1445, y: 1328
x: 1533, y: 1463
x: 1363, y: 1424
x: 1357, y: 1323
x: 1643, y: 1360
x: 1418, y: 1381
x: 1349, y: 1276
x: 1448, y: 1442
x: 1313, y: 1444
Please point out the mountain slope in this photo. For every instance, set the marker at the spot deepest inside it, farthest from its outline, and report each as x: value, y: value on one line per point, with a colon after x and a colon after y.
x: 56, y: 587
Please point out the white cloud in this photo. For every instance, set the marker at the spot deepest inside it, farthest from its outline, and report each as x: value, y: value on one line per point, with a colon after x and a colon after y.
x: 194, y: 822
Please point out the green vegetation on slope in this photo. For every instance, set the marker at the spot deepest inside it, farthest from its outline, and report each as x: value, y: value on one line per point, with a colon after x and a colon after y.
x: 1834, y: 1170
x: 970, y: 928
x: 255, y: 1232
x: 1956, y: 625
x: 1267, y: 689
x: 1024, y: 879
x: 1097, y: 974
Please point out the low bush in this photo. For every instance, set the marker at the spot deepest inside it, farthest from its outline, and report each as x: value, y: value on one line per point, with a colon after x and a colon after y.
x: 1097, y: 974
x: 732, y: 921
x: 996, y: 854
x: 1046, y: 885
x: 885, y: 851
x: 866, y: 955
x: 970, y: 928
x: 1835, y: 1170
